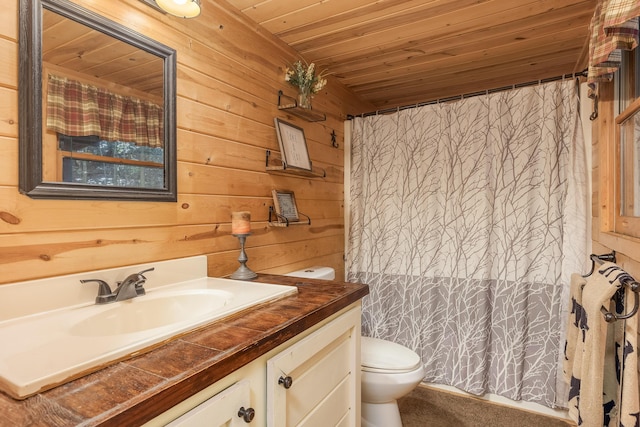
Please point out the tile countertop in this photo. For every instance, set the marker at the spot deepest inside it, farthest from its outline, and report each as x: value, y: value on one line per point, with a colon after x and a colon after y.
x: 136, y: 390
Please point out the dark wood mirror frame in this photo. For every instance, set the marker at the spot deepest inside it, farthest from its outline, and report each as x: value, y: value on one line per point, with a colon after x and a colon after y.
x: 30, y: 106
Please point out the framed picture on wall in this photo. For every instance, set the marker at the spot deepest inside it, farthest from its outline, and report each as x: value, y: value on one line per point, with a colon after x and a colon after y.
x: 284, y: 203
x: 293, y: 145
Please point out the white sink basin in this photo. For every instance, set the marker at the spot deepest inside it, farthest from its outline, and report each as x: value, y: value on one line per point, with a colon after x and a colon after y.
x: 153, y: 311
x: 42, y: 350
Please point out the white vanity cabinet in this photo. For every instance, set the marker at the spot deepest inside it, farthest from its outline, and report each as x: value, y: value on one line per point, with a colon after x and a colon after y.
x: 229, y: 408
x: 323, y: 365
x: 316, y: 381
x: 220, y: 404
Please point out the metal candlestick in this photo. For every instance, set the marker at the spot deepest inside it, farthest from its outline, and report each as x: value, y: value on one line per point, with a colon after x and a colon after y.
x: 243, y: 272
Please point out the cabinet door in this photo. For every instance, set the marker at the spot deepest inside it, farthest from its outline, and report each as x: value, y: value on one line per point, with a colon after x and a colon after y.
x: 225, y: 409
x: 316, y: 382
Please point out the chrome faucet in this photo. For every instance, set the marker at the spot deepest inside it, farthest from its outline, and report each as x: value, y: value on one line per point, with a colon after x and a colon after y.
x: 132, y: 286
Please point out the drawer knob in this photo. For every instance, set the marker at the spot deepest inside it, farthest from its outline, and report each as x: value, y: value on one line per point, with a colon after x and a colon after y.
x: 286, y: 382
x: 247, y: 414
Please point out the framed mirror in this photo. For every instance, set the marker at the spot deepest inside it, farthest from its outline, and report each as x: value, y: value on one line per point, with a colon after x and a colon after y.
x: 97, y: 107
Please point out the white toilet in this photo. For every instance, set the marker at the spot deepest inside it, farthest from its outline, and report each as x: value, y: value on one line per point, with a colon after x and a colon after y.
x: 389, y: 370
x: 315, y: 272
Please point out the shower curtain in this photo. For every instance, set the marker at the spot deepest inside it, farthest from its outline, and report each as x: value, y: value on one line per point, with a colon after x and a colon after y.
x: 467, y: 219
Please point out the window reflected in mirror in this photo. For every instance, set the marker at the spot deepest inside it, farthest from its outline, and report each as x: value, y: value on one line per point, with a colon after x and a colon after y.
x: 95, y: 161
x: 103, y: 137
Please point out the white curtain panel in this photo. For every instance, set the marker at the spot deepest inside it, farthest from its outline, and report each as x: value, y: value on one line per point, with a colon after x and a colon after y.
x: 467, y: 219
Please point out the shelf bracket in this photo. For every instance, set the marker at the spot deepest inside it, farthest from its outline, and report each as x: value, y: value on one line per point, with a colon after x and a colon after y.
x: 267, y: 160
x: 293, y: 104
x: 283, y: 221
x: 293, y: 108
x: 280, y: 167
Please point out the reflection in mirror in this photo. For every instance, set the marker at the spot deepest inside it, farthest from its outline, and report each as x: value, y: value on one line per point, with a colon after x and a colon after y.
x: 97, y: 107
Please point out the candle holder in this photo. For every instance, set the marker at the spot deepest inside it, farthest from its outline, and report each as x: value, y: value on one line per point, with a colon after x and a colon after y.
x: 243, y: 272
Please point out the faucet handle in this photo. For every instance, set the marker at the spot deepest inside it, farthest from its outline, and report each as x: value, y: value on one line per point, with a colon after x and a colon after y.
x: 141, y: 280
x: 146, y: 271
x: 104, y: 291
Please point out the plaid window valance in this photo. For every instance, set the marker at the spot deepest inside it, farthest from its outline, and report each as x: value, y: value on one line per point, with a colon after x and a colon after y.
x: 78, y: 109
x: 614, y: 27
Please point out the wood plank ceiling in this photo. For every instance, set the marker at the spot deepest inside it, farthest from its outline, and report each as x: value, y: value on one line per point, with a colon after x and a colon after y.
x: 401, y: 52
x: 77, y: 49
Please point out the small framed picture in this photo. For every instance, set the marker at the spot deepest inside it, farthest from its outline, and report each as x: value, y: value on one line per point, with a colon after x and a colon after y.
x: 293, y: 145
x: 285, y: 205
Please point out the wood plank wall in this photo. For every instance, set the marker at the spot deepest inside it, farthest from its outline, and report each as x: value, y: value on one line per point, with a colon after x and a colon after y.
x: 603, y: 201
x: 229, y: 73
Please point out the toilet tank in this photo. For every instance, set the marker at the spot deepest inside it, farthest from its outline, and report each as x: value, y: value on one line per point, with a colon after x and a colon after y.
x: 315, y: 272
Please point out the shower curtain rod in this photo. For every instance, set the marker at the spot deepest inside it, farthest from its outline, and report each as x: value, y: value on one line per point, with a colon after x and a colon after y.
x: 469, y: 95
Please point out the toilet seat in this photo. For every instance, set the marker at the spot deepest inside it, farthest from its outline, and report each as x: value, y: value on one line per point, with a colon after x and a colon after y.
x: 387, y: 357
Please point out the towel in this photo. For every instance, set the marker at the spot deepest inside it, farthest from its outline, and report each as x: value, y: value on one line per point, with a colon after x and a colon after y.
x: 602, y: 377
x: 626, y: 345
x: 575, y: 329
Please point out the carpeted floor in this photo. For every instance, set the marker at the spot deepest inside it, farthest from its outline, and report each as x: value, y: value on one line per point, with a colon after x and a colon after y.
x: 430, y: 407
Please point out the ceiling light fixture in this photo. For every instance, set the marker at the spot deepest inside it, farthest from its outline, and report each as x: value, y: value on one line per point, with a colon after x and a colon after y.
x: 181, y: 8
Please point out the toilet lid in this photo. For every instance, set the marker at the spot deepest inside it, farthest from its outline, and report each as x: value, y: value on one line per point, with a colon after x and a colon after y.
x: 382, y: 355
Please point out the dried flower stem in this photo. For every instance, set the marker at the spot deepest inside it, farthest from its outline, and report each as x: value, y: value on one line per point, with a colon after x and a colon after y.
x: 304, y: 77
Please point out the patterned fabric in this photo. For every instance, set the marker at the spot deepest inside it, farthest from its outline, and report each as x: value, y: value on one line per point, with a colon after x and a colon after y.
x: 601, y: 364
x: 614, y: 27
x: 467, y: 220
x: 78, y: 109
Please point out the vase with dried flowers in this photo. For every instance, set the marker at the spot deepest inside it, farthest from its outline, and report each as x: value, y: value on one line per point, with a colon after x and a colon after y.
x: 309, y: 83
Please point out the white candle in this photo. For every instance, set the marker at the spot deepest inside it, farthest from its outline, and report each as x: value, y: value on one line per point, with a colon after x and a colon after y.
x: 240, y: 222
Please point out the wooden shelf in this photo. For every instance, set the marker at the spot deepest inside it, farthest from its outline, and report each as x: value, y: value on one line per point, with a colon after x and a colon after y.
x: 283, y: 170
x: 304, y: 113
x: 284, y: 222
x: 275, y: 165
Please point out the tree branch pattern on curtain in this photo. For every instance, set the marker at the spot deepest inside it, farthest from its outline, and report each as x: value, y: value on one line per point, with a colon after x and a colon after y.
x: 460, y: 222
x: 78, y: 109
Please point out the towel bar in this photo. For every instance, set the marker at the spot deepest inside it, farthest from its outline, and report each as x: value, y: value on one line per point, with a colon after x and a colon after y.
x: 611, y: 257
x: 627, y: 280
x: 610, y: 317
